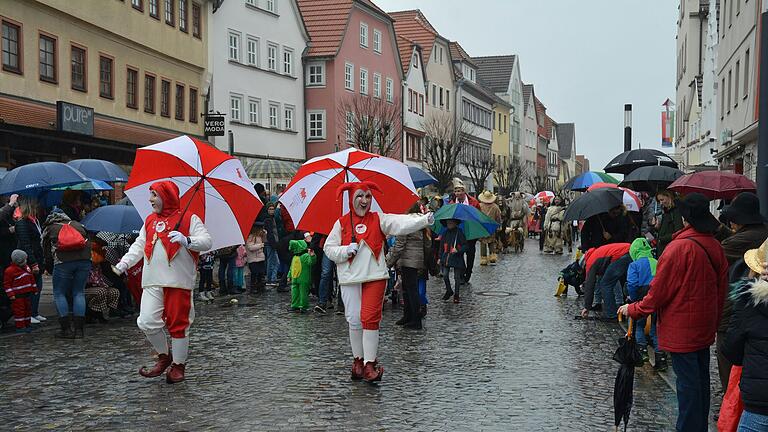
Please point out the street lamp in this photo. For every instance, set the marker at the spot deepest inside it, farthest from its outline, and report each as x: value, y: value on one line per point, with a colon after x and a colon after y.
x: 627, y: 127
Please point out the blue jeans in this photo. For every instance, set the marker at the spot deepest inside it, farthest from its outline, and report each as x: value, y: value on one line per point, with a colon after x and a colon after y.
x: 272, y: 263
x: 610, y: 285
x: 36, y: 295
x: 69, y: 280
x: 640, y: 332
x: 226, y: 273
x: 752, y: 422
x: 692, y: 370
x: 326, y: 279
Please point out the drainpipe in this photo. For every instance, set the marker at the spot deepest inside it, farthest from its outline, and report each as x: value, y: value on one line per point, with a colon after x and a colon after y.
x: 762, y: 131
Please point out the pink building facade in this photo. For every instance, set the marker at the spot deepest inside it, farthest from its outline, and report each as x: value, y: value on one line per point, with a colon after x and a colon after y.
x: 352, y: 54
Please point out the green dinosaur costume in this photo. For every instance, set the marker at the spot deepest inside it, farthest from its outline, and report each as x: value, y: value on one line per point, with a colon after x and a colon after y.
x: 301, y: 274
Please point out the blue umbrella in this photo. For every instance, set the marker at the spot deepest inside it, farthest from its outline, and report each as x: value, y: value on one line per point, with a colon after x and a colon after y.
x: 31, y: 179
x: 420, y: 177
x: 119, y: 219
x: 53, y: 197
x: 582, y: 182
x: 98, y: 169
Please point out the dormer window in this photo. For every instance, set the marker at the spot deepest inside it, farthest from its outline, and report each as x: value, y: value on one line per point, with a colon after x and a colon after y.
x: 415, y: 61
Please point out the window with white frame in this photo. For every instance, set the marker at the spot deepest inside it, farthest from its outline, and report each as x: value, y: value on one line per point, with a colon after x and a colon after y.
x: 272, y: 57
x: 251, y: 2
x: 252, y: 51
x: 447, y: 100
x: 254, y: 111
x: 415, y: 61
x: 350, y: 127
x: 288, y: 117
x: 274, y: 109
x: 364, y: 35
x: 316, y: 124
x: 315, y: 74
x: 377, y: 85
x: 434, y: 95
x: 441, y: 55
x: 377, y: 41
x: 363, y: 81
x: 287, y: 61
x: 389, y: 90
x: 270, y: 6
x: 349, y: 76
x: 235, y: 107
x: 234, y: 46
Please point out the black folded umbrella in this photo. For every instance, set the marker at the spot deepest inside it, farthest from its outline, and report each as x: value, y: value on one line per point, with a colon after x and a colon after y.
x: 628, y: 356
x: 651, y: 178
x: 594, y: 202
x: 631, y: 160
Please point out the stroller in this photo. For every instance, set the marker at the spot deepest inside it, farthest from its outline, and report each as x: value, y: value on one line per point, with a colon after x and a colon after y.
x: 573, y: 275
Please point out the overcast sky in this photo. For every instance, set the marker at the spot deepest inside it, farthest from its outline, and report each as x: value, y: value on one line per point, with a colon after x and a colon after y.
x: 586, y: 59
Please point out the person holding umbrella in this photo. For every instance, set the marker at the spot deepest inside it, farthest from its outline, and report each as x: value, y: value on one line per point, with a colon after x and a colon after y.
x: 687, y: 293
x: 169, y: 243
x: 356, y: 245
x: 460, y: 197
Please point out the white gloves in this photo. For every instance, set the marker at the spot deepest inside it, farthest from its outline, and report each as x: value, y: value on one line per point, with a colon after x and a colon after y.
x: 431, y: 218
x: 177, y: 237
x: 121, y: 268
x: 12, y: 201
x: 352, y: 249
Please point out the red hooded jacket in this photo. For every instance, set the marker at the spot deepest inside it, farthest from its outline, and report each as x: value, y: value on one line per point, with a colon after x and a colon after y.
x: 161, y: 224
x: 687, y: 293
x: 18, y: 280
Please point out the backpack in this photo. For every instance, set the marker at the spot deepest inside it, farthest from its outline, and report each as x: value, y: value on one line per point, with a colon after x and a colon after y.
x: 70, y: 239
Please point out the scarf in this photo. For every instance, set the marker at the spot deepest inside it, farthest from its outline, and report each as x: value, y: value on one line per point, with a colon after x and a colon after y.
x: 158, y: 225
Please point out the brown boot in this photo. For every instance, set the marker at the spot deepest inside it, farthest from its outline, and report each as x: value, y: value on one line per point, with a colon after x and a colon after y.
x: 176, y: 374
x: 373, y: 372
x: 357, y: 369
x: 163, y: 361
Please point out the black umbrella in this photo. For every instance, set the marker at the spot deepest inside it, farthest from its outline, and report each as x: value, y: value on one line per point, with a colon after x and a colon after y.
x: 594, y: 202
x: 628, y: 356
x: 629, y: 161
x: 651, y: 178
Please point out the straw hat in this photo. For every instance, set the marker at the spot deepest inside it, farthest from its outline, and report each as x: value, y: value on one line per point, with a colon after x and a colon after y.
x: 487, y: 197
x: 756, y: 257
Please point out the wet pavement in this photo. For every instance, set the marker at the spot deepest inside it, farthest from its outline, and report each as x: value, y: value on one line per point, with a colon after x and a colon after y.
x: 509, y: 357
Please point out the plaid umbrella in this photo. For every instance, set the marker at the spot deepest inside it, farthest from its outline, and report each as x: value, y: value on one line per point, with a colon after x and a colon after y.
x: 268, y: 168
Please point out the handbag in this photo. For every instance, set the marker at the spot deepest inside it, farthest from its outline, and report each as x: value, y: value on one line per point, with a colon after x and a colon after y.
x: 733, y: 406
x: 69, y: 239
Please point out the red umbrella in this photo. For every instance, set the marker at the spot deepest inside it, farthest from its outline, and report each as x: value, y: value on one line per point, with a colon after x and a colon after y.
x: 714, y: 184
x: 213, y: 185
x: 311, y: 198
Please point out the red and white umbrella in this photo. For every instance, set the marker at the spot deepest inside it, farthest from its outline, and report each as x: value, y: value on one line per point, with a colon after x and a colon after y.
x: 213, y: 185
x: 631, y: 200
x: 311, y: 199
x: 544, y: 196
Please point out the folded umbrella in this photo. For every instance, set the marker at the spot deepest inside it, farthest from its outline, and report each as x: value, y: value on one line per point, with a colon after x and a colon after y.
x: 651, y: 178
x: 628, y: 356
x: 582, y: 181
x: 98, y: 169
x: 714, y: 184
x: 34, y: 178
x: 629, y: 161
x: 118, y: 219
x: 473, y: 223
x: 593, y: 203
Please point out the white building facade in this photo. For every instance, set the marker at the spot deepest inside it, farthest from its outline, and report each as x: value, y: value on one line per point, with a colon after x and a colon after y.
x: 255, y: 60
x: 415, y: 105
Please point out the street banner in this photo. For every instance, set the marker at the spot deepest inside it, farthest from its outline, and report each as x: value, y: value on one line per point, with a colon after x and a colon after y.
x: 667, y: 128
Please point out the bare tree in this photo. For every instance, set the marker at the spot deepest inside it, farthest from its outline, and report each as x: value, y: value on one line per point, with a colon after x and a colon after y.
x: 442, y: 147
x: 537, y: 183
x: 480, y: 164
x: 511, y: 177
x: 372, y: 124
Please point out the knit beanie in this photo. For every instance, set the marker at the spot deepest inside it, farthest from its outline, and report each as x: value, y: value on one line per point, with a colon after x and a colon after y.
x: 18, y: 257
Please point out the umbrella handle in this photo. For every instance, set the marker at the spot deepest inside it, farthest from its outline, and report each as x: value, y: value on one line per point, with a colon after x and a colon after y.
x: 197, y: 188
x: 630, y: 328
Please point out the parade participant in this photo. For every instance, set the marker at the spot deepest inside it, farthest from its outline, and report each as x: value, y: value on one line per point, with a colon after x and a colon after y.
x: 355, y: 244
x: 554, y: 227
x: 460, y: 197
x: 301, y: 274
x: 519, y: 211
x: 488, y: 244
x: 19, y: 284
x: 168, y: 277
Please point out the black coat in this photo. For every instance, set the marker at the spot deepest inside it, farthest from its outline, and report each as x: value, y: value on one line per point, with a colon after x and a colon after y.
x: 450, y: 239
x: 8, y: 240
x: 592, y: 234
x: 747, y: 345
x: 29, y: 237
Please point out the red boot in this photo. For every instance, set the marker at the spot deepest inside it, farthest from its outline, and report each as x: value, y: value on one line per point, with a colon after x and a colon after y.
x: 163, y: 361
x: 357, y: 369
x: 373, y: 372
x: 176, y: 374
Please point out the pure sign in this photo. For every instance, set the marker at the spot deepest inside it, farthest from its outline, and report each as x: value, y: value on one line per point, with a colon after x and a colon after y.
x: 214, y: 125
x: 74, y: 118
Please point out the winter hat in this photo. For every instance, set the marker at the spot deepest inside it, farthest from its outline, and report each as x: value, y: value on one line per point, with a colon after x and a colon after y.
x: 694, y: 208
x: 458, y: 183
x: 754, y: 258
x: 18, y: 257
x: 744, y: 210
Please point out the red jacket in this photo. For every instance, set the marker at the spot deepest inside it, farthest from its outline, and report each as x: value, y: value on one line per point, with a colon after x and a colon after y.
x: 18, y: 280
x: 687, y: 293
x: 472, y: 201
x: 613, y: 250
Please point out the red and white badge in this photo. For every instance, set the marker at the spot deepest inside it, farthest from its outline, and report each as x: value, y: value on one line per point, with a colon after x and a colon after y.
x: 160, y: 226
x: 361, y: 228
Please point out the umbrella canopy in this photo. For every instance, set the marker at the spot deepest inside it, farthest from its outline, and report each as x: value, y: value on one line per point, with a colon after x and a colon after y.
x: 420, y: 177
x: 98, y: 169
x: 270, y: 168
x: 544, y: 196
x: 212, y: 184
x: 714, y: 184
x: 118, y: 219
x: 31, y: 179
x: 53, y: 197
x: 630, y: 199
x: 628, y: 356
x: 651, y: 178
x: 582, y: 181
x: 593, y: 203
x: 474, y: 224
x: 311, y: 198
x: 628, y: 161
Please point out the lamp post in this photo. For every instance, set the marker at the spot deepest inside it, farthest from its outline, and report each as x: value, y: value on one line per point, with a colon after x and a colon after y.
x: 627, y: 127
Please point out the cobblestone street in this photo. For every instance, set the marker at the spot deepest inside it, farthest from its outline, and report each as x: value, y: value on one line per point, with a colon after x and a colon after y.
x: 510, y: 357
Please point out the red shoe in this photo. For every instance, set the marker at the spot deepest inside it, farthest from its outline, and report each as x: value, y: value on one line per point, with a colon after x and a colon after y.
x: 176, y: 374
x: 357, y: 369
x: 163, y: 361
x: 373, y: 372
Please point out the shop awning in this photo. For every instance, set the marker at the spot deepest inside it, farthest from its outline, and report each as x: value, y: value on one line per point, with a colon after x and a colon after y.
x: 270, y: 168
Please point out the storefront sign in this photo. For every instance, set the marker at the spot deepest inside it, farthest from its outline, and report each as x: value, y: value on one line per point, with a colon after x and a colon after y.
x: 74, y: 118
x: 213, y: 125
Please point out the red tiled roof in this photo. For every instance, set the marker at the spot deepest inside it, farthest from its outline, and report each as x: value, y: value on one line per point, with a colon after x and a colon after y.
x: 458, y: 53
x: 405, y: 46
x: 326, y: 21
x: 413, y: 25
